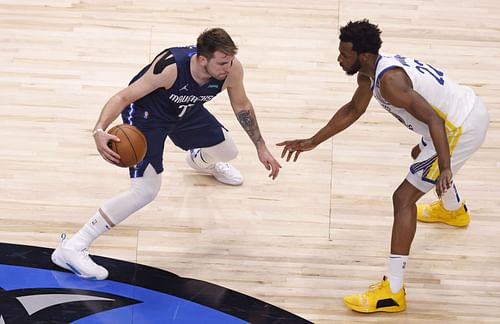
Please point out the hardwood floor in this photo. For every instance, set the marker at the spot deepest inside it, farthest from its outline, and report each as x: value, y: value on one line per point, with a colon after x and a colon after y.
x: 302, y: 242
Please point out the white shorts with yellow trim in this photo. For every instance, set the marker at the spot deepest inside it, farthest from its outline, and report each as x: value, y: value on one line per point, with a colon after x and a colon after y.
x: 463, y: 141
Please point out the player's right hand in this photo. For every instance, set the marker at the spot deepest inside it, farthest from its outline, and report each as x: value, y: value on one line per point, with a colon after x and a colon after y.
x: 296, y: 146
x: 102, y: 139
x: 444, y: 182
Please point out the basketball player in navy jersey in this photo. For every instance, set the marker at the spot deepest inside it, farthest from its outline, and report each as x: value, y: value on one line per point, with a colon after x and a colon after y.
x: 166, y: 99
x: 452, y: 121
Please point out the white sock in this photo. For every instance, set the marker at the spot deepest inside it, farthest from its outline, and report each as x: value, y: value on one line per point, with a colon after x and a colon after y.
x: 96, y: 226
x: 451, y: 200
x: 222, y: 152
x: 201, y: 158
x: 396, y: 275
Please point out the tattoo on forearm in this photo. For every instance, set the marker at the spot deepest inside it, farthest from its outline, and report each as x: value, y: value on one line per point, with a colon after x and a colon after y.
x: 249, y: 123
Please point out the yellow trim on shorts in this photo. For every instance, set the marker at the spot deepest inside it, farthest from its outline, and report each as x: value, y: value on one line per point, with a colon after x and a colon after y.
x: 453, y: 134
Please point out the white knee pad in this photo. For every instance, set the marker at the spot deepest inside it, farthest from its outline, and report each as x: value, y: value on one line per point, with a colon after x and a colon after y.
x: 222, y: 152
x: 142, y: 191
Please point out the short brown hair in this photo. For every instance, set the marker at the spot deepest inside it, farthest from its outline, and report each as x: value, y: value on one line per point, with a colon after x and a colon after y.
x: 215, y: 39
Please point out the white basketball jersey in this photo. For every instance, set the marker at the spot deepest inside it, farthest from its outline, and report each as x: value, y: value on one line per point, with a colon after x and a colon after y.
x: 450, y: 100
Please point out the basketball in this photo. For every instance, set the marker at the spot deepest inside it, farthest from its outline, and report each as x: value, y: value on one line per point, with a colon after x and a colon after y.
x: 132, y: 146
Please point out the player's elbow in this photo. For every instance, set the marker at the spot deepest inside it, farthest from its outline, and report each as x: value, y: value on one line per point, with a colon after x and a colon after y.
x: 121, y: 100
x: 436, y: 121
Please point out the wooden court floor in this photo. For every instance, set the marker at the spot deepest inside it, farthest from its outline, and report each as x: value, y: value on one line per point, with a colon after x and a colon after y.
x: 317, y: 233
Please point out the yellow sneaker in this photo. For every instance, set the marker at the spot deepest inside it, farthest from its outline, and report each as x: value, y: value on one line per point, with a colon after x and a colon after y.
x: 436, y: 212
x: 378, y: 298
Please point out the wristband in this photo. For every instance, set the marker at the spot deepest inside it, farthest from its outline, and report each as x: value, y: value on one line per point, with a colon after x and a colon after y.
x: 95, y: 131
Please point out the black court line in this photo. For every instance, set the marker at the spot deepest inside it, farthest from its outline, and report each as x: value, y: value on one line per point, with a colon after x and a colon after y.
x: 213, y: 296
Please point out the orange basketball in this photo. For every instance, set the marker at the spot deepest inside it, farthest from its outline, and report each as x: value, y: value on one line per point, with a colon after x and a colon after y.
x: 132, y: 146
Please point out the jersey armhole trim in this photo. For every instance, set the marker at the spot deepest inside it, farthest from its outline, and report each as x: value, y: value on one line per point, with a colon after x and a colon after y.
x: 392, y: 67
x: 166, y: 60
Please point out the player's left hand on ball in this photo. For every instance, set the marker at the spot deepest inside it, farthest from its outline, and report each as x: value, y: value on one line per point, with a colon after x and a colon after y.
x: 101, y: 141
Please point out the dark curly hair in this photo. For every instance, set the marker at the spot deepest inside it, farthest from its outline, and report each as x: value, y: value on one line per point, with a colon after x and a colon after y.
x: 364, y: 36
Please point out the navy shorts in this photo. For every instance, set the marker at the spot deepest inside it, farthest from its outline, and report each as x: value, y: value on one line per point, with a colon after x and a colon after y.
x: 198, y: 129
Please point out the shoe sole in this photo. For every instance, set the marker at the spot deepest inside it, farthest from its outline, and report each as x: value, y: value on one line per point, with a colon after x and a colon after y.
x: 359, y: 309
x: 193, y: 166
x: 228, y: 183
x: 57, y: 261
x: 437, y: 220
x: 460, y: 222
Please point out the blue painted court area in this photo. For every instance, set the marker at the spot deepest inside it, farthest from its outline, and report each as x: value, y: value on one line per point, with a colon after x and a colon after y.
x: 34, y: 290
x: 150, y: 307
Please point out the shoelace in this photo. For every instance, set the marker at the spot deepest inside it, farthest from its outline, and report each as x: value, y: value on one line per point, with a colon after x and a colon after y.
x: 85, y: 253
x: 371, y: 290
x: 222, y: 167
x: 453, y: 214
x: 375, y: 286
x: 86, y: 258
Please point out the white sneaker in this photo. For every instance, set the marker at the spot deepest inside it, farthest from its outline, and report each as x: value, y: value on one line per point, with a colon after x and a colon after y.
x: 77, y: 262
x: 222, y: 171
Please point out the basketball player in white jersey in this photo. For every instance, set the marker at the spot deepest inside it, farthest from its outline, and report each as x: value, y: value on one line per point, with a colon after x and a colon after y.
x: 452, y: 121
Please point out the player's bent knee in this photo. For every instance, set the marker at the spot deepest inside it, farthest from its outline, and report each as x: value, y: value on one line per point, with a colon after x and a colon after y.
x: 229, y: 150
x: 399, y: 200
x: 148, y: 195
x: 231, y: 153
x: 141, y: 196
x: 223, y: 152
x: 146, y: 188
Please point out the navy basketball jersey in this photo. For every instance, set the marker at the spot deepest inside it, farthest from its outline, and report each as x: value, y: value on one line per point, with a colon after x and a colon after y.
x: 185, y: 96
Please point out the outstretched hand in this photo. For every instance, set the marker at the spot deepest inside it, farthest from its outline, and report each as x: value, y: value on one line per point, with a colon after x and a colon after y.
x: 102, y: 139
x: 295, y: 146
